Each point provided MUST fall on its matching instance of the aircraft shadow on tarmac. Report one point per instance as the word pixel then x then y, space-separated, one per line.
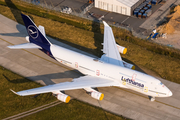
pixel 17 15
pixel 98 37
pixel 47 78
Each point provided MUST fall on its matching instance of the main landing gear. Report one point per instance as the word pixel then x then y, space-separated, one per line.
pixel 151 98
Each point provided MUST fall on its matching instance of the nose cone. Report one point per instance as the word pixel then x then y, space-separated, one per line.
pixel 170 93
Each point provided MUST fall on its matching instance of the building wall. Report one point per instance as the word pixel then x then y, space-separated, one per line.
pixel 113 6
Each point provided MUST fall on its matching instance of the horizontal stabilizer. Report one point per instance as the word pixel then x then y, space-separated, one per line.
pixel 24 46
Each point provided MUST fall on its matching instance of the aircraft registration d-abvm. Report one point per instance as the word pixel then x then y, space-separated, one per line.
pixel 109 70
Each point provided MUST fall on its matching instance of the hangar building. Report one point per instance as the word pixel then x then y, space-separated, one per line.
pixel 125 7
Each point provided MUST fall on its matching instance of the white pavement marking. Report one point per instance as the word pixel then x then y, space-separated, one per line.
pixel 125 20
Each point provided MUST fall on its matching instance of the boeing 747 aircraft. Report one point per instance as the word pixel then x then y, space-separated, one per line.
pixel 109 70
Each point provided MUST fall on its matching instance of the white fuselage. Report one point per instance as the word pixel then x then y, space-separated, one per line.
pixel 124 77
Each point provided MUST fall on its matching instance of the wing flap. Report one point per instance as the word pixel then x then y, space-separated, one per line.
pixel 24 46
pixel 77 83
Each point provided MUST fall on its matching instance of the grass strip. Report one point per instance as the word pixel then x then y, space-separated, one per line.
pixel 12 104
pixel 76 110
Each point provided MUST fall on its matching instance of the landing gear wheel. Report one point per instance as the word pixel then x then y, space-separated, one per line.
pixel 152 98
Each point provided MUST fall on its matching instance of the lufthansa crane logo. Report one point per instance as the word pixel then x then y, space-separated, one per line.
pixel 33 32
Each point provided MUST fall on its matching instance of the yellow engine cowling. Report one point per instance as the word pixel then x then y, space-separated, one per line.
pixel 95 94
pixel 61 96
pixel 121 49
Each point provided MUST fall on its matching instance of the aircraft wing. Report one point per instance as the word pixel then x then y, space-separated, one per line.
pixel 111 53
pixel 77 83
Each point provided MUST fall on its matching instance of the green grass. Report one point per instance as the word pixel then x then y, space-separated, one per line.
pixel 75 110
pixel 12 104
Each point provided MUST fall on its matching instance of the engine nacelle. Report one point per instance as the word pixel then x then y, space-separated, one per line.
pixel 27 38
pixel 121 49
pixel 128 65
pixel 95 94
pixel 63 97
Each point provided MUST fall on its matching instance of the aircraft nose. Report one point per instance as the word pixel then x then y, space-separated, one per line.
pixel 170 93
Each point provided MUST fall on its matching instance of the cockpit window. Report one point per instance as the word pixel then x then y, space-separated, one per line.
pixel 161 83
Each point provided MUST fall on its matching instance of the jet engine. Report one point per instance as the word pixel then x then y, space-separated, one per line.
pixel 95 94
pixel 121 49
pixel 128 65
pixel 27 38
pixel 62 97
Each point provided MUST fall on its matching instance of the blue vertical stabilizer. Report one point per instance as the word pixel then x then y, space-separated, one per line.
pixel 37 38
pixel 35 35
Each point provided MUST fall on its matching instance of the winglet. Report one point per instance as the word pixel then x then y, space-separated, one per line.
pixel 105 24
pixel 14 92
